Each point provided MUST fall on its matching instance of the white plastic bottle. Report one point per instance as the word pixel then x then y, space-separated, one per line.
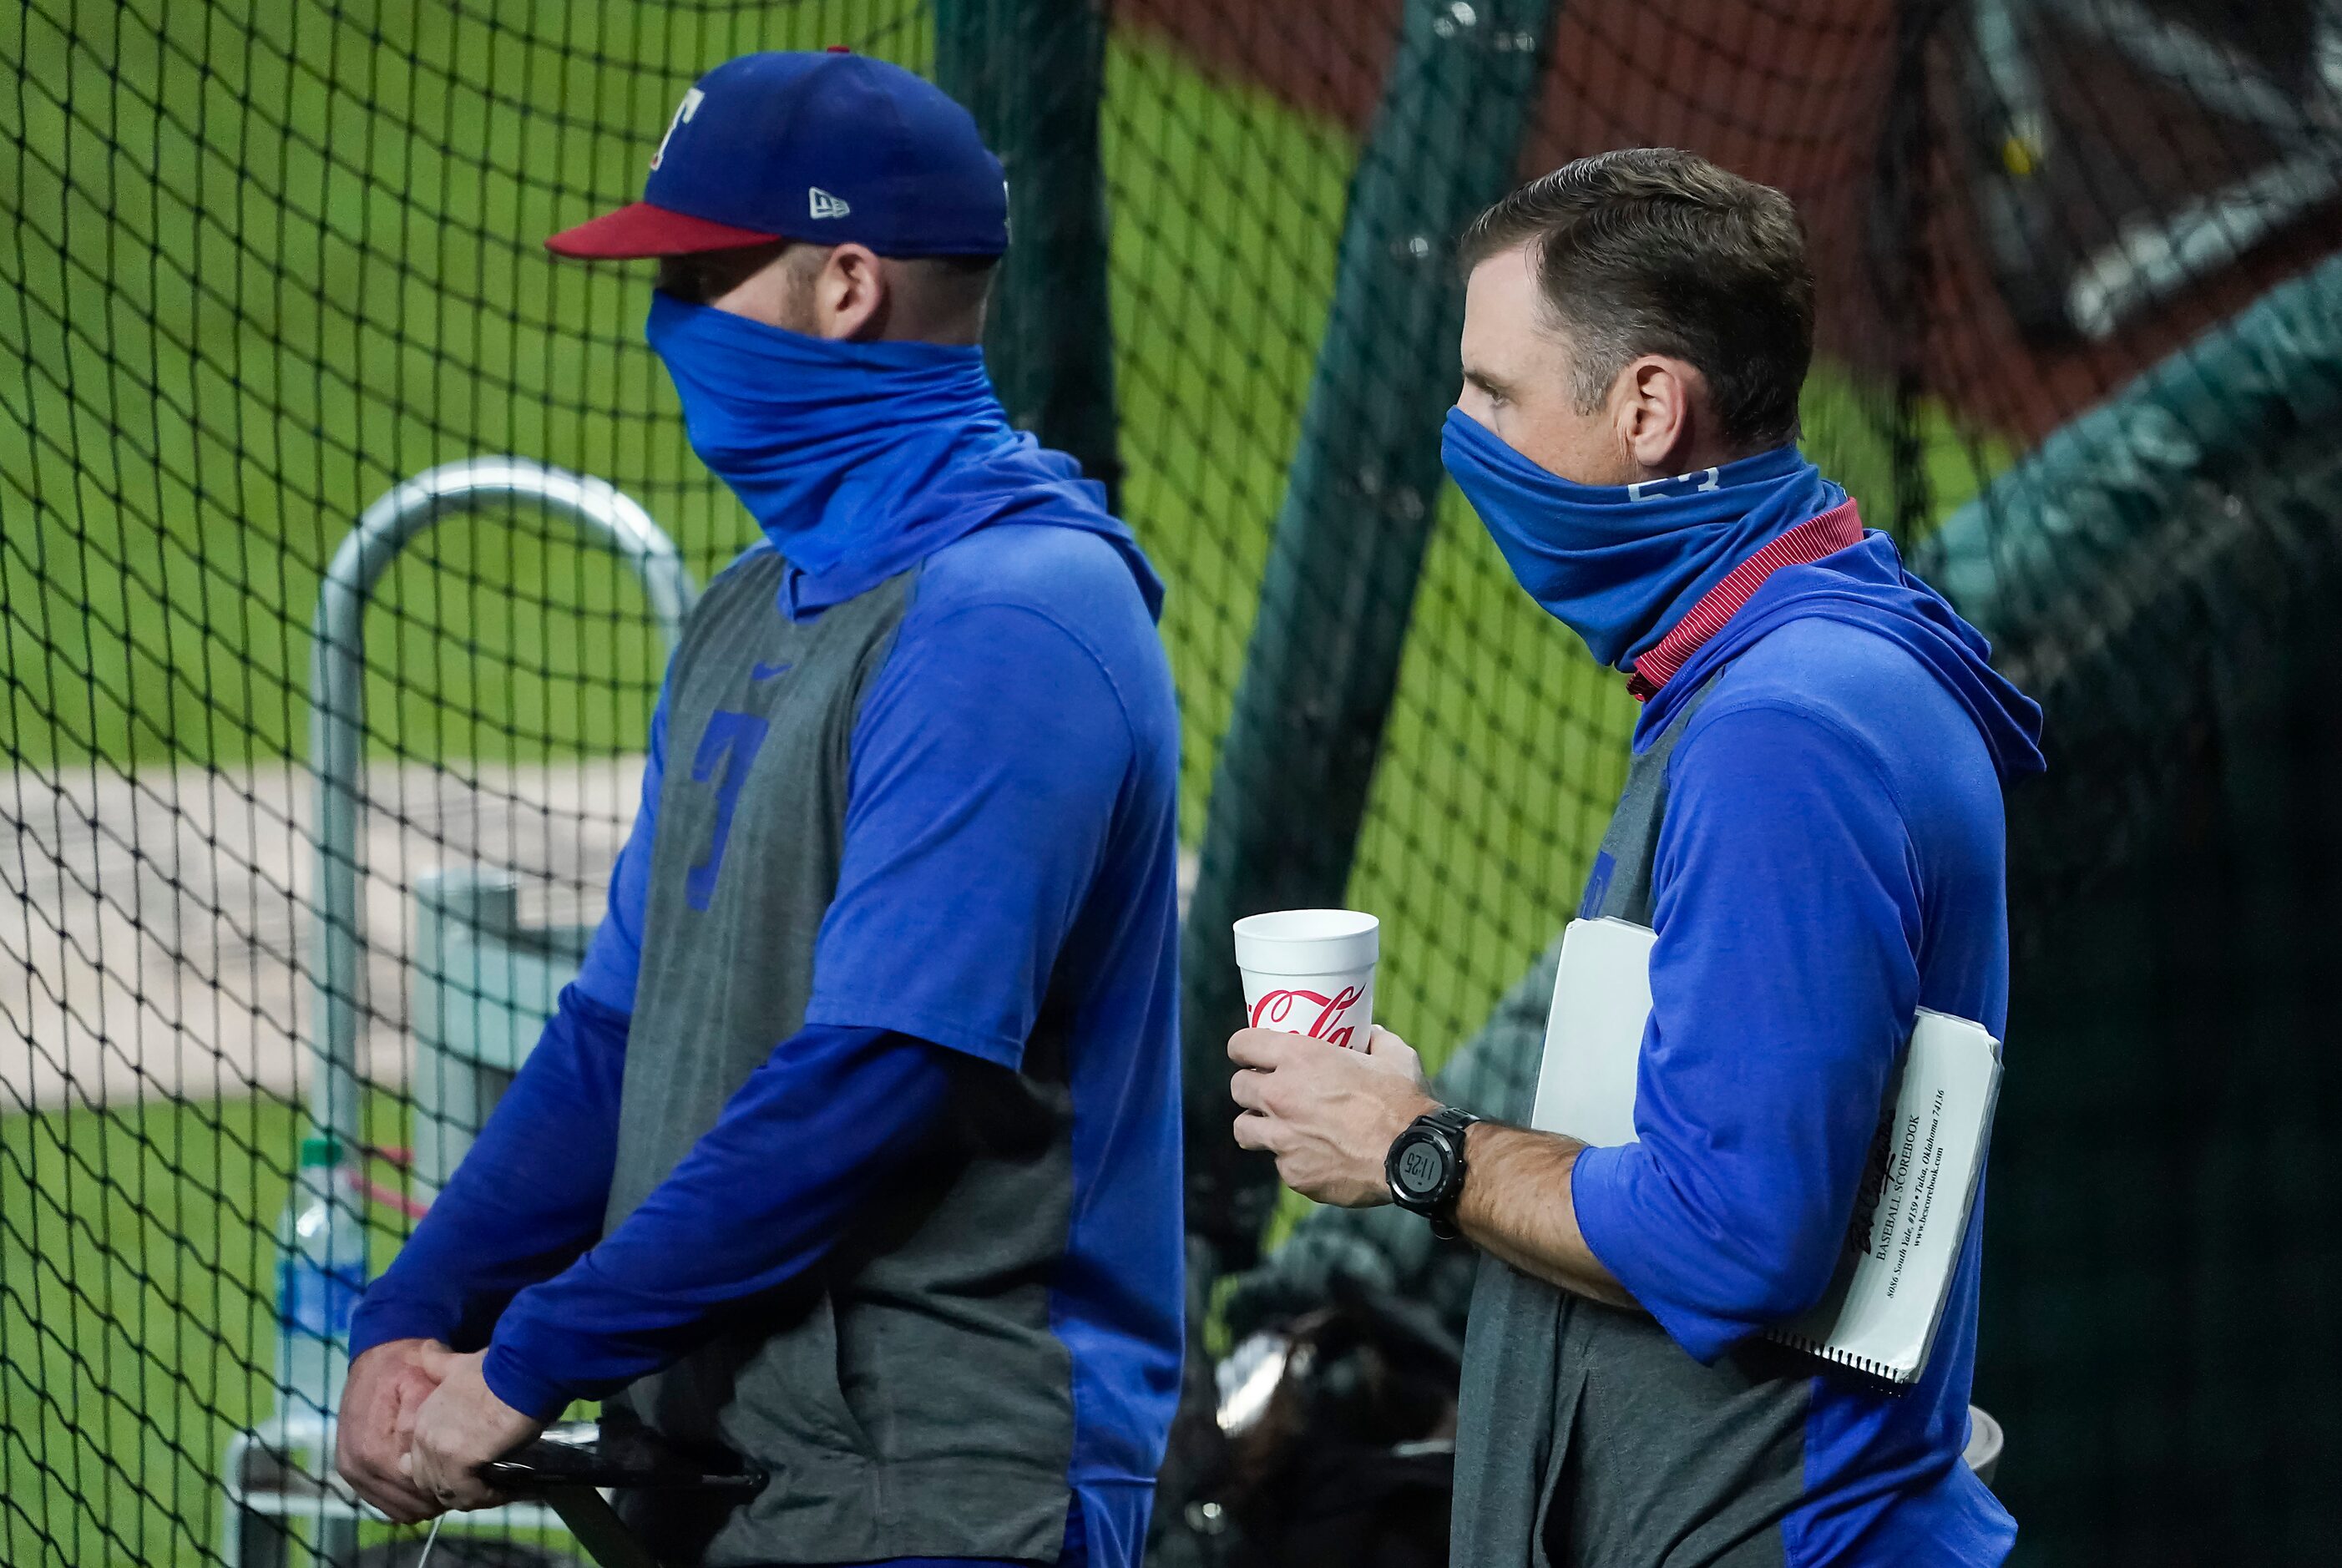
pixel 321 1269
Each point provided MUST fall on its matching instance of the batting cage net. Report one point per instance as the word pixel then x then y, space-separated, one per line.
pixel 343 535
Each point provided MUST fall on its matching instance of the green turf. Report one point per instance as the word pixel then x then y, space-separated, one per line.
pixel 136 1318
pixel 131 1311
pixel 270 259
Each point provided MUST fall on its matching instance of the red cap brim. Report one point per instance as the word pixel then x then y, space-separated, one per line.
pixel 641 229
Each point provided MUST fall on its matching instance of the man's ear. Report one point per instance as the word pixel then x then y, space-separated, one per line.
pixel 851 296
pixel 1659 412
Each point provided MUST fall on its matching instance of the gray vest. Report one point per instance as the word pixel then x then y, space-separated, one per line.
pixel 1587 1435
pixel 910 1400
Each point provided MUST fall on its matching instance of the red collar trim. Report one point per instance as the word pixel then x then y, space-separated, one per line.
pixel 1839 529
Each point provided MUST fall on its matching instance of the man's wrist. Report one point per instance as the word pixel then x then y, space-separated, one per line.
pixel 1488 1149
pixel 520 1385
pixel 380 1321
pixel 1425 1166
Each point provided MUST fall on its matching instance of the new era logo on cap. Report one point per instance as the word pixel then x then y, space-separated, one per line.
pixel 825 206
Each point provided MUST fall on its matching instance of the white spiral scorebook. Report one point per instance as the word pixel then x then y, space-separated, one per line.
pixel 1894 1272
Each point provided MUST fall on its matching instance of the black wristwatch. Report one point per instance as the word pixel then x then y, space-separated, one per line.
pixel 1425 1167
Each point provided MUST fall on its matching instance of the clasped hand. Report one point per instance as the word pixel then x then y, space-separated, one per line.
pixel 417 1421
pixel 1330 1114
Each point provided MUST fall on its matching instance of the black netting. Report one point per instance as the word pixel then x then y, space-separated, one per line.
pixel 2081 349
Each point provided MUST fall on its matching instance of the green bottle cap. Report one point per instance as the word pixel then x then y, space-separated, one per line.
pixel 318 1149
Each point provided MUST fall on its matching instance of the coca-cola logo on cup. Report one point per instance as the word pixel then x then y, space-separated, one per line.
pixel 1287 1010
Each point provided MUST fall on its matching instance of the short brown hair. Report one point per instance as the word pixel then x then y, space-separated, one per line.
pixel 1655 250
pixel 949 288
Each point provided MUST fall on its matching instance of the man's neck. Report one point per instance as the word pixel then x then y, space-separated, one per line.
pixel 1695 454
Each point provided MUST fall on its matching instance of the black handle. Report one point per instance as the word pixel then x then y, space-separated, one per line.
pixel 630 1463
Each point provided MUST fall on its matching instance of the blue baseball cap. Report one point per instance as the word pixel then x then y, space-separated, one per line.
pixel 827 148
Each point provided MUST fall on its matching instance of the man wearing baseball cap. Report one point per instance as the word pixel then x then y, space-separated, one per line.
pixel 853 1149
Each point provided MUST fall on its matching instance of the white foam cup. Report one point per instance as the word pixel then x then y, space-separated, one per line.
pixel 1311 971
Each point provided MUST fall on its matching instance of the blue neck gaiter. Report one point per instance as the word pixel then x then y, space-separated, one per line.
pixel 1621 565
pixel 859 460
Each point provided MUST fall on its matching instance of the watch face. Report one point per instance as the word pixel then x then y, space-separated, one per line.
pixel 1421 1168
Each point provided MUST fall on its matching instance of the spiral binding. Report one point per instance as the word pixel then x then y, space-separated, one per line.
pixel 1890 1378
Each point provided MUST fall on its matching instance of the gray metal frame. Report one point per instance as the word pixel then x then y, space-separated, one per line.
pixel 337 704
pixel 281 1470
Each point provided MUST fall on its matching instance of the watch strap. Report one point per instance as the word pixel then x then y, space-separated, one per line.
pixel 1450 1119
pixel 1451 1122
pixel 1454 1122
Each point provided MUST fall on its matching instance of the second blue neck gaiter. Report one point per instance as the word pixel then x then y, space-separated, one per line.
pixel 859 460
pixel 1621 565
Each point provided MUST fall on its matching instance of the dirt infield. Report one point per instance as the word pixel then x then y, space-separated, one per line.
pixel 1798 93
pixel 157 936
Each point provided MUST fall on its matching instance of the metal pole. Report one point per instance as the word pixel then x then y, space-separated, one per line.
pixel 1032 72
pixel 1290 790
pixel 1901 257
pixel 337 705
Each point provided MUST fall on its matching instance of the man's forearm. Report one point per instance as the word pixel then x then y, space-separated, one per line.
pixel 1330 1116
pixel 758 1200
pixel 527 1198
pixel 1516 1203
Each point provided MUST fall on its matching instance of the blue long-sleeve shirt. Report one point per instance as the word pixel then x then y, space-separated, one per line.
pixel 577 1315
pixel 538 1178
pixel 994 749
pixel 855 1101
pixel 1787 892
pixel 1831 860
